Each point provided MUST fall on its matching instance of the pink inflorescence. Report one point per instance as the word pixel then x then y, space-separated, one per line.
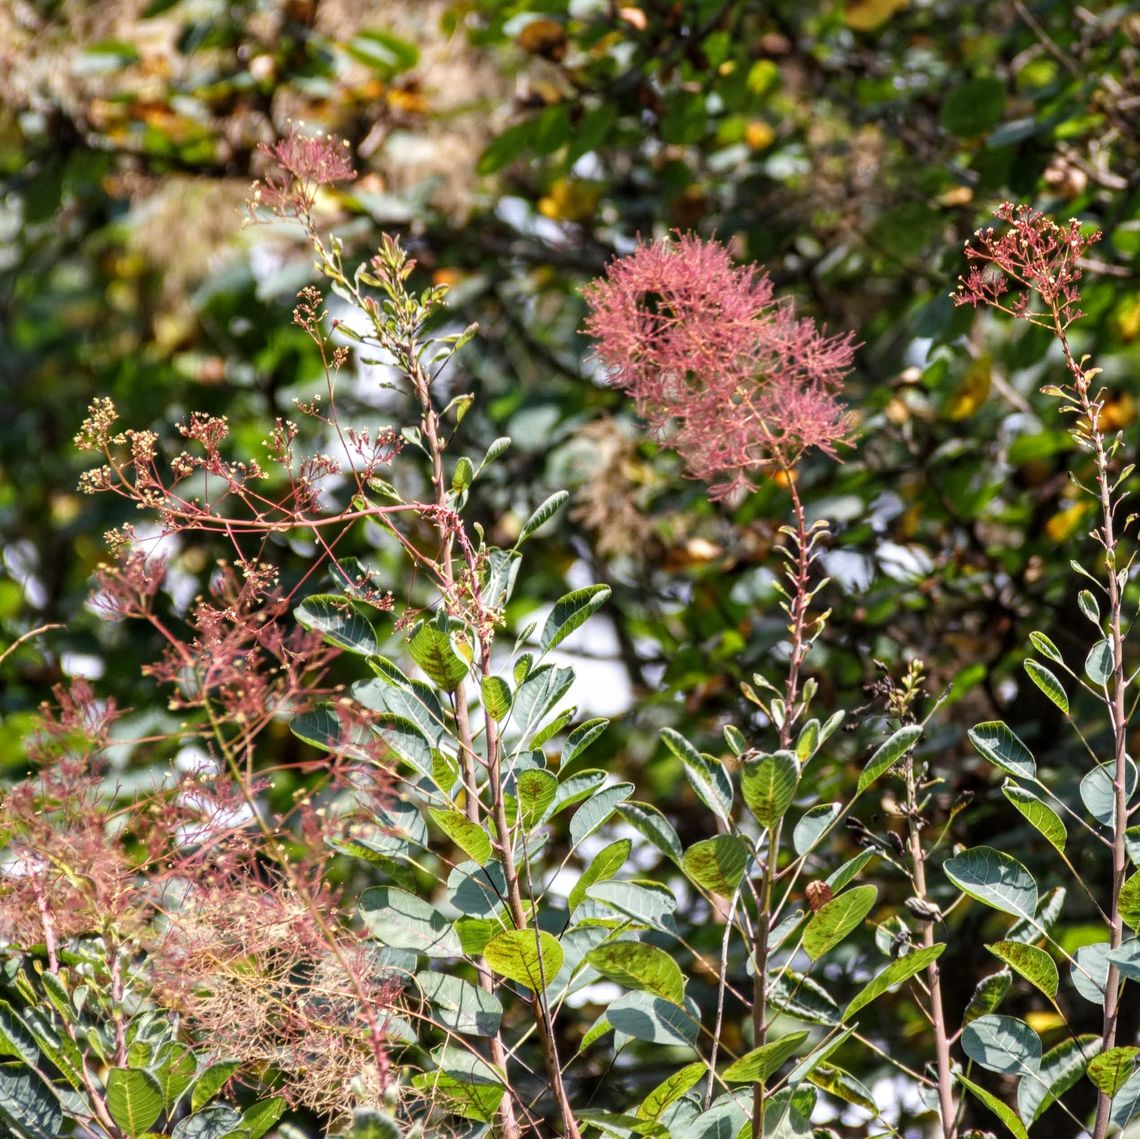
pixel 717 364
pixel 302 163
pixel 1035 253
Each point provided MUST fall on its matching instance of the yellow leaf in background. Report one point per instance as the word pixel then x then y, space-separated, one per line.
pixel 972 391
pixel 570 200
pixel 758 134
pixel 543 37
pixel 1042 1020
pixel 1127 319
pixel 410 102
pixel 1117 413
pixel 1065 523
pixel 956 196
pixel 867 15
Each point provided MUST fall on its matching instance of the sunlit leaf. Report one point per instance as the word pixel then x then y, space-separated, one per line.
pixel 570 613
pixel 894 974
pixel 836 919
pixel 527 956
pixel 1048 683
pixel 1034 964
pixel 133 1099
pixel 756 1066
pixel 1003 748
pixel 888 754
pixel 994 878
pixel 405 921
pixel 638 965
pixel 717 864
pixel 1040 815
pixel 769 785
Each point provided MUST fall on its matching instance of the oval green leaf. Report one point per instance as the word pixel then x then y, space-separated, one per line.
pixel 894 974
pixel 888 754
pixel 1098 664
pixel 470 837
pixel 756 1066
pixel 769 786
pixel 1048 683
pixel 717 864
pixel 527 956
pixel 995 741
pixel 996 879
pixel 1038 814
pixel 637 965
pixel 134 1099
pixel 1034 964
pixel 404 921
pixel 833 921
pixel 571 612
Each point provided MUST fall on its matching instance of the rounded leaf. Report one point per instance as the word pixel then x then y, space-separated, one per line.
pixel 460 1006
pixel 769 786
pixel 813 825
pixel 995 878
pixel 996 741
pixel 404 921
pixel 527 956
pixel 1034 964
pixel 637 965
pixel 1111 1070
pixel 717 864
pixel 1097 791
pixel 1002 1044
pixel 1098 664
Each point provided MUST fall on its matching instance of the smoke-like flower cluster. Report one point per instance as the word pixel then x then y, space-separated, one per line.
pixel 718 365
pixel 1035 253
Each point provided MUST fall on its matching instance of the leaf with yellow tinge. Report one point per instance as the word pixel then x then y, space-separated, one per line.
pixel 1065 523
pixel 670 1090
pixel 543 37
pixel 1127 319
pixel 528 956
pixel 570 199
pixel 1042 1020
pixel 758 134
pixel 868 15
pixel 972 391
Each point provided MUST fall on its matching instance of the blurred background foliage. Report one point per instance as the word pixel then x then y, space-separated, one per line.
pixel 847 146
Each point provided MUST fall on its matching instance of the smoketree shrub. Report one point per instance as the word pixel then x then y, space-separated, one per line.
pixel 405 930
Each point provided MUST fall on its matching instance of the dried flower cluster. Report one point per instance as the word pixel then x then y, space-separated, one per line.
pixel 717 363
pixel 255 973
pixel 1035 253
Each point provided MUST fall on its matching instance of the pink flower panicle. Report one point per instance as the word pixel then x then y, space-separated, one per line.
pixel 1035 253
pixel 716 363
pixel 304 163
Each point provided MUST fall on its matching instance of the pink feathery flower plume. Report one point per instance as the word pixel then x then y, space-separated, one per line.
pixel 719 366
